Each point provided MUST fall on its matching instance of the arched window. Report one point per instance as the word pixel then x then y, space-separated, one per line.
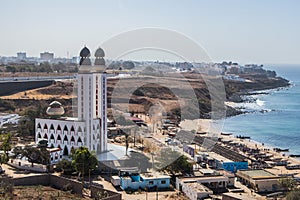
pixel 58 146
pixel 66 131
pixel 66 138
pixel 52 146
pixel 51 137
pixel 79 130
pixel 58 137
pixel 51 127
pixel 72 129
pixel 45 126
pixel 39 126
pixel 58 128
pixel 79 140
pixel 39 136
pixel 46 136
pixel 66 152
pixel 72 139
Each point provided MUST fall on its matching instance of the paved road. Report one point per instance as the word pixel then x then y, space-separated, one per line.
pixel 16 173
pixel 35 78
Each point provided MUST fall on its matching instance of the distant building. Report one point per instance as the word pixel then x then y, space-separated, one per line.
pixel 46 56
pixel 21 55
pixel 260 180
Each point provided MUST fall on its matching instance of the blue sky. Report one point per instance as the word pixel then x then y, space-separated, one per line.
pixel 256 31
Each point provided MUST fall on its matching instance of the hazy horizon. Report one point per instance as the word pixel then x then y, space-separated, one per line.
pixel 239 31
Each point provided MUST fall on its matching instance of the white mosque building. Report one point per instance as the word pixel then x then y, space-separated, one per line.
pixel 90 127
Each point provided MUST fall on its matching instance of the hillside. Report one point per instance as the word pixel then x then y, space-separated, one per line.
pixel 148 91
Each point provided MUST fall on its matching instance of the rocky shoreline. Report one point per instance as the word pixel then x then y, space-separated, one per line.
pixel 245 95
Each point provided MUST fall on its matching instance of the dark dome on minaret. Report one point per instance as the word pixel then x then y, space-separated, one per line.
pixel 99 54
pixel 85 53
pixel 84 56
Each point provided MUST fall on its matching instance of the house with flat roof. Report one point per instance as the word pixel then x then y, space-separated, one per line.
pixel 237 196
pixel 218 161
pixel 214 180
pixel 137 181
pixel 195 191
pixel 259 179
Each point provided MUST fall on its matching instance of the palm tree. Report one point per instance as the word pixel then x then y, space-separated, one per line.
pixel 126 142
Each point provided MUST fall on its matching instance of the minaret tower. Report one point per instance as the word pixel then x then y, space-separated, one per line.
pixel 92 99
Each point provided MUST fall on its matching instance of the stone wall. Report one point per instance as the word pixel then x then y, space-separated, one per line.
pixel 32 180
pixel 65 184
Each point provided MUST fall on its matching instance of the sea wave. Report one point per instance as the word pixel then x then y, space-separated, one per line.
pixel 260 102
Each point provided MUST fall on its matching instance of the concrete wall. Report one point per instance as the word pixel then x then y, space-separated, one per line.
pixel 267 185
pixel 54 181
pixel 32 180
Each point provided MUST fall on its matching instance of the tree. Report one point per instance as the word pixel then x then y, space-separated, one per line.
pixel 33 154
pixel 174 162
pixel 126 142
pixel 65 166
pixel 84 161
pixel 128 65
pixel 122 121
pixel 5 140
pixel 293 195
pixel 26 124
pixel 288 183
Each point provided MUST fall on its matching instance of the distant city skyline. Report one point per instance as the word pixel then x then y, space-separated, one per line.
pixel 240 31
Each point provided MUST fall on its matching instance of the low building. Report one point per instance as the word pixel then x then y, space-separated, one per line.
pixel 196 191
pixel 142 181
pixel 9 119
pixel 237 196
pixel 260 180
pixel 215 181
pixel 217 161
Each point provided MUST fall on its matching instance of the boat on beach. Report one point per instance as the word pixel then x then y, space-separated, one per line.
pixel 226 134
pixel 280 150
pixel 243 137
pixel 295 155
pixel 172 134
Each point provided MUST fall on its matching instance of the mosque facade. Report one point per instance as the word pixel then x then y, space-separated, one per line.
pixel 89 128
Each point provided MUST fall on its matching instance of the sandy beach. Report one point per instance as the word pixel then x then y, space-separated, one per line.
pixel 210 126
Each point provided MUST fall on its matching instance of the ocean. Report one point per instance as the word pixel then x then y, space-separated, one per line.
pixel 275 117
